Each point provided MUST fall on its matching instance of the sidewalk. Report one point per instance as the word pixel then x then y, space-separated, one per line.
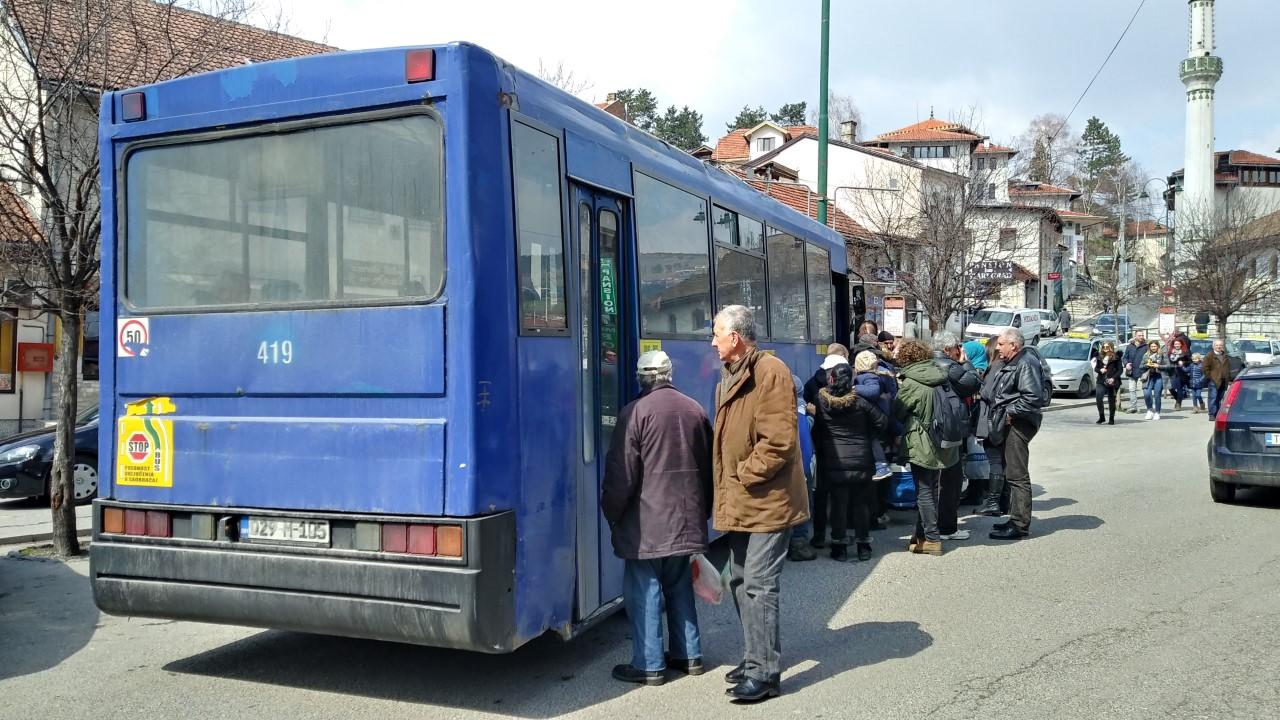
pixel 28 521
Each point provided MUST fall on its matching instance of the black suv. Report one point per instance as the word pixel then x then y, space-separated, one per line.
pixel 1244 450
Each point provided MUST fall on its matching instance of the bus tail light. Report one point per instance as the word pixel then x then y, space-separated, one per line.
pixel 135 522
pixel 422 539
pixel 158 524
pixel 133 106
pixel 395 537
pixel 113 520
pixel 419 65
pixel 449 541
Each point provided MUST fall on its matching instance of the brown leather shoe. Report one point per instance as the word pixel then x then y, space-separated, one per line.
pixel 927 547
pixel 913 545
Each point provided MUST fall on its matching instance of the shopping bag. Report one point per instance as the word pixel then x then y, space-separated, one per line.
pixel 706 579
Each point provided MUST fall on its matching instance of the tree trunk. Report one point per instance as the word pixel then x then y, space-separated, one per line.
pixel 62 494
pixel 1222 327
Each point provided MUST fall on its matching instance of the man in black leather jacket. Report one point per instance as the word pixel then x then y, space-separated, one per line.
pixel 1010 417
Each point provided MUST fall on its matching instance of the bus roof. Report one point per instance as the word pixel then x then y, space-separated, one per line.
pixel 345 81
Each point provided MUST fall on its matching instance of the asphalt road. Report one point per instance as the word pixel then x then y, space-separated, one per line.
pixel 1135 597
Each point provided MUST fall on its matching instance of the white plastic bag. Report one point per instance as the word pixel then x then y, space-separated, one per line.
pixel 706 579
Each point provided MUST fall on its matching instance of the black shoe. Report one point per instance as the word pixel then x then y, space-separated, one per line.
pixel 864 552
pixel 736 675
pixel 627 673
pixel 692 666
pixel 1008 533
pixel 1112 421
pixel 1002 525
pixel 801 552
pixel 839 552
pixel 753 691
pixel 817 542
pixel 1100 421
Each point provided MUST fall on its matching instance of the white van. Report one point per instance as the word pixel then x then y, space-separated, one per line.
pixel 990 322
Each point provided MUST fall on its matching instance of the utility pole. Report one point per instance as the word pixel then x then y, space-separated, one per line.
pixel 822 114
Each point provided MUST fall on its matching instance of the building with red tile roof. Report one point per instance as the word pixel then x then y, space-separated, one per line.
pixel 18 222
pixel 927 131
pixel 1239 174
pixel 735 148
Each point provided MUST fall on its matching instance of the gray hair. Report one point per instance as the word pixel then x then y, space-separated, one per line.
pixel 651 379
pixel 739 319
pixel 946 341
pixel 1014 336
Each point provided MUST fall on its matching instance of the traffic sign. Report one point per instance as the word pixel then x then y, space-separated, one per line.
pixel 1055 276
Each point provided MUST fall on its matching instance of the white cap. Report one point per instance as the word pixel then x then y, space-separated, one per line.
pixel 653 362
pixel 833 360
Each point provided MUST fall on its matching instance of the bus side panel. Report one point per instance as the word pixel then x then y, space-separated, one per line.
pixel 545 546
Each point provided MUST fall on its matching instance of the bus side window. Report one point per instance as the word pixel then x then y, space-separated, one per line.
pixel 535 167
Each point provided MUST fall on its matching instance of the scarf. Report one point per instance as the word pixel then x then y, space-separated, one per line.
pixel 732 372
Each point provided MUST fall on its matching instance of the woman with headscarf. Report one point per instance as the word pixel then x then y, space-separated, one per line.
pixel 1107 367
pixel 846 426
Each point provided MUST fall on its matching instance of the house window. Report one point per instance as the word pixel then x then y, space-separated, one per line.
pixel 671 242
pixel 991 191
pixel 765 144
pixel 893 183
pixel 1008 238
pixel 982 164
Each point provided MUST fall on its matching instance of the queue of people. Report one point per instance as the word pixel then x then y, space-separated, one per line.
pixel 670 468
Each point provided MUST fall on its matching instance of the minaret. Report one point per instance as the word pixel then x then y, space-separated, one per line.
pixel 1199 72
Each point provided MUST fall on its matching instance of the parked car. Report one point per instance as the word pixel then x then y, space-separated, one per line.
pixel 1069 359
pixel 26 459
pixel 1258 351
pixel 1049 323
pixel 990 322
pixel 1115 327
pixel 1244 450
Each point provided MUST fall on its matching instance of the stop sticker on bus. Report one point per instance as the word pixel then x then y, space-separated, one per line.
pixel 139 447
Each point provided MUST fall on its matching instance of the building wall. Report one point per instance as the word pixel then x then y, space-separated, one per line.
pixel 765 132
pixel 22 395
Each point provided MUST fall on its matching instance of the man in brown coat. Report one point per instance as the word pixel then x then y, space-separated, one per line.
pixel 1217 375
pixel 656 496
pixel 760 492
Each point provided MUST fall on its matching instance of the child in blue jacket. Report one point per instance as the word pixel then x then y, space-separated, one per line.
pixel 876 384
pixel 1196 371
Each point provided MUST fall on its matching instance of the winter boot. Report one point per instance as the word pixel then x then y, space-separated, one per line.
pixel 839 552
pixel 991 504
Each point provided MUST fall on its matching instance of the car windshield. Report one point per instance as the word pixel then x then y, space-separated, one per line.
pixel 1254 346
pixel 992 317
pixel 1059 350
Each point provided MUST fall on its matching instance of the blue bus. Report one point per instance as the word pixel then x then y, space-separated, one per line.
pixel 376 314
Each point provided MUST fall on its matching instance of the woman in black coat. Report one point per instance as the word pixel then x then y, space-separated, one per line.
pixel 846 425
pixel 1106 365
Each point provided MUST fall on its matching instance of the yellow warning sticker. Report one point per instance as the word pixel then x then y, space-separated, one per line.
pixel 647 345
pixel 145 454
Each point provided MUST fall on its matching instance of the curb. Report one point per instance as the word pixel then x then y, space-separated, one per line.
pixel 1069 405
pixel 39 537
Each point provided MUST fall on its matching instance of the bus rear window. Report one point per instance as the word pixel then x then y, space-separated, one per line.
pixel 343 213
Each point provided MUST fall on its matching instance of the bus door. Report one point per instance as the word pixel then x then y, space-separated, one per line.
pixel 604 383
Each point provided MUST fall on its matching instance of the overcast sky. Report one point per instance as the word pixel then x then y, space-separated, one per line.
pixel 1008 60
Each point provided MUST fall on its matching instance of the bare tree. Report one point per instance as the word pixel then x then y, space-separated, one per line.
pixel 563 78
pixel 840 109
pixel 56 58
pixel 1047 151
pixel 1226 259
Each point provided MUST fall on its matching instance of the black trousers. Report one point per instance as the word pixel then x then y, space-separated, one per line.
pixel 949 499
pixel 1017 472
pixel 850 499
pixel 1109 393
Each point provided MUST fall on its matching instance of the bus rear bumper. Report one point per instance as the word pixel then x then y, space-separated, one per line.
pixel 467 606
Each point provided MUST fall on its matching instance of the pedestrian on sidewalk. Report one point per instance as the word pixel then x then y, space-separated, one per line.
pixel 656 496
pixel 1106 366
pixel 875 384
pixel 914 408
pixel 1179 375
pixel 977 356
pixel 1011 413
pixel 1155 367
pixel 1132 358
pixel 847 426
pixel 813 534
pixel 760 492
pixel 799 549
pixel 964 381
pixel 1217 374
pixel 1197 382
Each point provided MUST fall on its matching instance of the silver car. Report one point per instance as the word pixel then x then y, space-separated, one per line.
pixel 1069 359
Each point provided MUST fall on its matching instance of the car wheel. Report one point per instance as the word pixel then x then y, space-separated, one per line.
pixel 84 479
pixel 1221 492
pixel 1086 388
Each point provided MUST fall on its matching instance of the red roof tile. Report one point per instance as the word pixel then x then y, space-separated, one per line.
pixel 801 199
pixel 734 146
pixel 989 148
pixel 1138 229
pixel 1244 157
pixel 931 129
pixel 148 41
pixel 17 222
pixel 1034 188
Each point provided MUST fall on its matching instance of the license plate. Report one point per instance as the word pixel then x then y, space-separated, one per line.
pixel 285 530
pixel 1272 439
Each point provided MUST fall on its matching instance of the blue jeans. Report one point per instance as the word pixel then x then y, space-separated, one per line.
pixel 1215 400
pixel 649 587
pixel 1155 393
pixel 1197 396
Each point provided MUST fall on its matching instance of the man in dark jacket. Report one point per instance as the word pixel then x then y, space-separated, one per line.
pixel 657 498
pixel 964 380
pixel 1010 418
pixel 1217 375
pixel 1132 362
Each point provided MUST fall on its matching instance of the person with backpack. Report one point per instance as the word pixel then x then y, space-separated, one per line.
pixel 917 407
pixel 1009 420
pixel 964 384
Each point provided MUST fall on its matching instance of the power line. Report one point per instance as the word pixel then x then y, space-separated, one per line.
pixel 1100 69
